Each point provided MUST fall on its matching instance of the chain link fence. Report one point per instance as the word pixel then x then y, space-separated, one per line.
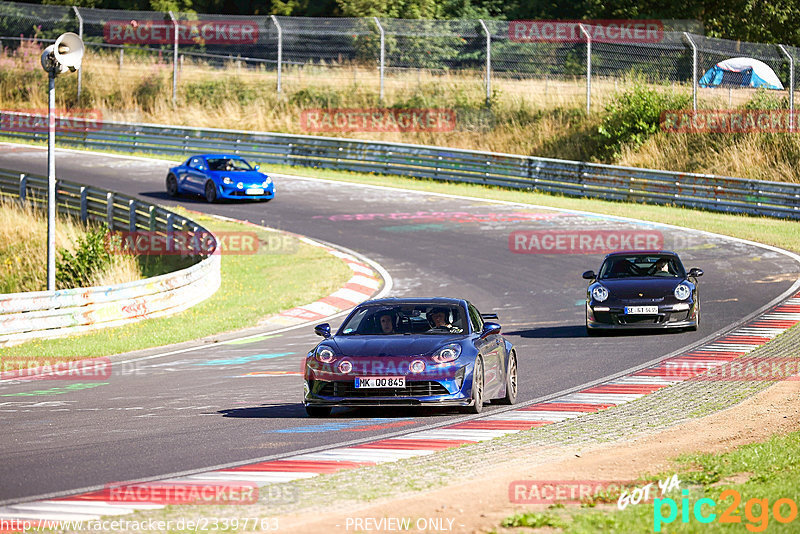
pixel 583 65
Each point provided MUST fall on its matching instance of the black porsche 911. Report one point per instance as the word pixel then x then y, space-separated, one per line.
pixel 642 289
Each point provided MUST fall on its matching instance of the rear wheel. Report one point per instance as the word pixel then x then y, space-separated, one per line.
pixel 172 185
pixel 511 381
pixel 211 191
pixel 477 388
pixel 318 411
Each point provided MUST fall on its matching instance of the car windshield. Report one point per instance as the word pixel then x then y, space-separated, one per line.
pixel 228 164
pixel 404 319
pixel 642 265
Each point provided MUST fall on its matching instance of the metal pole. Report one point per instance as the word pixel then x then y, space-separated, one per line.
pixel 488 62
pixel 280 48
pixel 791 87
pixel 694 70
pixel 80 34
pixel 588 68
pixel 174 60
pixel 51 183
pixel 383 51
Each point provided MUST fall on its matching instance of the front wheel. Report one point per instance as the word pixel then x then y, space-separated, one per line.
pixel 172 186
pixel 318 411
pixel 511 381
pixel 696 317
pixel 477 388
pixel 211 191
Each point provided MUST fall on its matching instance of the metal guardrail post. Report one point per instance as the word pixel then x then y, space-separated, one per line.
pixel 170 231
pixel 791 86
pixel 80 34
pixel 488 62
pixel 174 59
pixel 383 52
pixel 280 48
pixel 588 68
pixel 121 55
pixel 110 210
pixel 23 187
pixel 84 204
pixel 152 221
pixel 694 70
pixel 132 215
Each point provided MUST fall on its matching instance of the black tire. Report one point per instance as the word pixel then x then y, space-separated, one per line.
pixel 591 332
pixel 697 321
pixel 477 388
pixel 511 381
pixel 318 411
pixel 172 186
pixel 211 192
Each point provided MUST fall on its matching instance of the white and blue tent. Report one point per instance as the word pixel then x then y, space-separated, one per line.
pixel 741 72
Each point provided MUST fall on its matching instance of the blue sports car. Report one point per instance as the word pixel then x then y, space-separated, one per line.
pixel 218 176
pixel 412 352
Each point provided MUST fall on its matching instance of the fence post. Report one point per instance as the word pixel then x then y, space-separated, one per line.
pixel 694 70
pixel 132 215
pixel 80 34
pixel 588 68
pixel 383 51
pixel 23 188
pixel 488 62
pixel 174 59
pixel 791 86
pixel 121 55
pixel 110 210
pixel 280 48
pixel 84 204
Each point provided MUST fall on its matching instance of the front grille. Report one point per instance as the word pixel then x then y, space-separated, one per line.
pixel 640 319
pixel 347 389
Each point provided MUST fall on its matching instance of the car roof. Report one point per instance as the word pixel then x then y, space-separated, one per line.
pixel 631 252
pixel 394 301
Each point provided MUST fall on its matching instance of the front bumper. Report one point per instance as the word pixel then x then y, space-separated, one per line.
pixel 232 192
pixel 416 393
pixel 614 318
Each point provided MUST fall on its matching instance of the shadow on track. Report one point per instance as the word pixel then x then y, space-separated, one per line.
pixel 297 411
pixel 579 330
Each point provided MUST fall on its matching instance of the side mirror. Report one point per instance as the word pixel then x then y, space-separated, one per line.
pixel 589 275
pixel 257 167
pixel 489 329
pixel 323 330
pixel 694 271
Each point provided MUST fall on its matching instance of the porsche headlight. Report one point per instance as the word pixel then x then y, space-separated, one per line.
pixel 448 353
pixel 325 355
pixel 682 292
pixel 227 181
pixel 600 294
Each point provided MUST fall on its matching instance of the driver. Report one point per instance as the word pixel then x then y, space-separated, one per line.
pixel 661 266
pixel 439 318
pixel 229 166
pixel 387 322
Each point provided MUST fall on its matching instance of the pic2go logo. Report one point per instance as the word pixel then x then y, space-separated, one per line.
pixel 756 511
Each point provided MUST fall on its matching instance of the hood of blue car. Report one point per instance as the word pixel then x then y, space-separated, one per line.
pixel 241 176
pixel 631 288
pixel 400 345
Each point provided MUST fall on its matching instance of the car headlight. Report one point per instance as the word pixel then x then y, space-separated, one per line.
pixel 227 181
pixel 682 292
pixel 325 355
pixel 345 367
pixel 448 353
pixel 267 181
pixel 240 185
pixel 600 294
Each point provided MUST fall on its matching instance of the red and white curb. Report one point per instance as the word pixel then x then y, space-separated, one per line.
pixel 621 390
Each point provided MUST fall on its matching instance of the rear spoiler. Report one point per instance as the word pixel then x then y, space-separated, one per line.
pixel 489 316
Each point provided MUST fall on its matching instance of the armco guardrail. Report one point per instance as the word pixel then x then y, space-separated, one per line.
pixel 571 178
pixel 41 314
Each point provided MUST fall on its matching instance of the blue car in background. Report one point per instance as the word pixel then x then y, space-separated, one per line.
pixel 411 352
pixel 217 176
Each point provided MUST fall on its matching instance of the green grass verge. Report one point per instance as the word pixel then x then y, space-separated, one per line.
pixel 771 231
pixel 763 472
pixel 253 286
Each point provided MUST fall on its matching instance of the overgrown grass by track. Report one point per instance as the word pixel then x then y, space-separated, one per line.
pixel 253 286
pixel 762 474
